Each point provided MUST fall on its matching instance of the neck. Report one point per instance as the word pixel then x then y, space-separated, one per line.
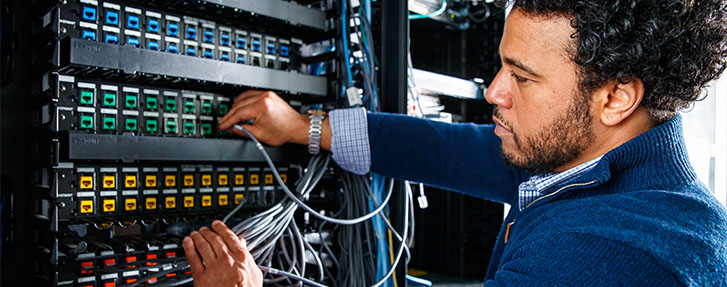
pixel 610 137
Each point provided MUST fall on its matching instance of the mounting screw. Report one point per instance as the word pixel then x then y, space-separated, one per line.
pixel 63 117
pixel 63 30
pixel 63 88
pixel 61 204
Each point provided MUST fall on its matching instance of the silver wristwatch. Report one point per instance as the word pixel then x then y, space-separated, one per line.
pixel 315 130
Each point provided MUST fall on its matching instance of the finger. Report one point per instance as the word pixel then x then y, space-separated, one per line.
pixel 218 246
pixel 195 263
pixel 252 129
pixel 242 104
pixel 203 247
pixel 238 116
pixel 230 238
pixel 247 94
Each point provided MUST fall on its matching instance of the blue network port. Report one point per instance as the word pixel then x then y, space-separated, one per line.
pixel 172 29
pixel 88 35
pixel 256 45
pixel 241 42
pixel 153 45
pixel 284 50
pixel 132 22
pixel 208 54
pixel 191 33
pixel 225 39
pixel 191 51
pixel 240 59
pixel 112 17
pixel 209 36
pixel 132 40
pixel 88 13
pixel 172 48
pixel 111 38
pixel 271 48
pixel 225 56
pixel 153 26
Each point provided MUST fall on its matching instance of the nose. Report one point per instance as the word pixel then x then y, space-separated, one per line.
pixel 500 90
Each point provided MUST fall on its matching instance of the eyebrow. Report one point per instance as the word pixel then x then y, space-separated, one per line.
pixel 520 65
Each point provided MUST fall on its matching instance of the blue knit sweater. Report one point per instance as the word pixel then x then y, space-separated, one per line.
pixel 638 218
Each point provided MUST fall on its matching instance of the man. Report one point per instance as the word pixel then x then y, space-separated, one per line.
pixel 588 149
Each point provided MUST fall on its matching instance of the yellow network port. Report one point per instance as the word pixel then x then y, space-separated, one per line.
pixel 130 181
pixel 239 179
pixel 170 202
pixel 284 177
pixel 130 204
pixel 222 180
pixel 206 179
pixel 109 205
pixel 268 179
pixel 238 198
pixel 86 182
pixel 222 200
pixel 150 181
pixel 170 180
pixel 254 179
pixel 151 203
pixel 206 200
pixel 188 180
pixel 86 206
pixel 189 201
pixel 109 181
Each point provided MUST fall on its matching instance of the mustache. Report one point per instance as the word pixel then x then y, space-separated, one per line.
pixel 498 115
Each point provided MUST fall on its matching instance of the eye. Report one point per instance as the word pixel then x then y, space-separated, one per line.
pixel 518 79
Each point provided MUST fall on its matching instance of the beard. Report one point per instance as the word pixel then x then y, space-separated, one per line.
pixel 556 143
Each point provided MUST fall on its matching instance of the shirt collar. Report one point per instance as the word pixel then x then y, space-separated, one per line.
pixel 537 185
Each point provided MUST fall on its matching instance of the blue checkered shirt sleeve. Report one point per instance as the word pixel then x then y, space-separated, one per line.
pixel 350 139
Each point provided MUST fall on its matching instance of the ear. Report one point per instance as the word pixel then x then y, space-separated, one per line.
pixel 617 100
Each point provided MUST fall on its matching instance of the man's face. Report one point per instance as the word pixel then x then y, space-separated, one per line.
pixel 543 119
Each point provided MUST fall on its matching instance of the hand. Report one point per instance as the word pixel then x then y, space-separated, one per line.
pixel 220 258
pixel 274 121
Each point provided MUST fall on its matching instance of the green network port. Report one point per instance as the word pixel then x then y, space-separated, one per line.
pixel 109 123
pixel 223 109
pixel 188 127
pixel 130 101
pixel 189 107
pixel 130 125
pixel 170 105
pixel 109 99
pixel 206 108
pixel 87 97
pixel 151 103
pixel 171 126
pixel 86 122
pixel 151 125
pixel 206 129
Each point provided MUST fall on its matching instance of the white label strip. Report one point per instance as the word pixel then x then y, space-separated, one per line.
pixel 151 114
pixel 129 169
pixel 132 10
pixel 190 43
pixel 85 194
pixel 151 192
pixel 150 169
pixel 130 113
pixel 172 18
pixel 64 78
pixel 132 33
pixel 171 94
pixel 153 14
pixel 88 25
pixel 170 191
pixel 129 192
pixel 223 189
pixel 169 169
pixel 110 88
pixel 85 109
pixel 108 169
pixel 170 115
pixel 205 190
pixel 86 85
pixel 109 111
pixel 188 190
pixel 109 193
pixel 188 117
pixel 85 169
pixel 153 36
pixel 172 40
pixel 130 89
pixel 111 29
pixel 151 92
pixel 111 5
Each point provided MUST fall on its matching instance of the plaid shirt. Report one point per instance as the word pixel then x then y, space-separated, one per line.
pixel 352 151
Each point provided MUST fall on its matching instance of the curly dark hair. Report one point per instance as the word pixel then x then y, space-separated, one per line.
pixel 675 47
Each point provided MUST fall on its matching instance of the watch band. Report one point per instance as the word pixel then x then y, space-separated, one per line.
pixel 315 130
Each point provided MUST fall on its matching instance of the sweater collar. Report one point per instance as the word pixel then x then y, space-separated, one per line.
pixel 655 158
